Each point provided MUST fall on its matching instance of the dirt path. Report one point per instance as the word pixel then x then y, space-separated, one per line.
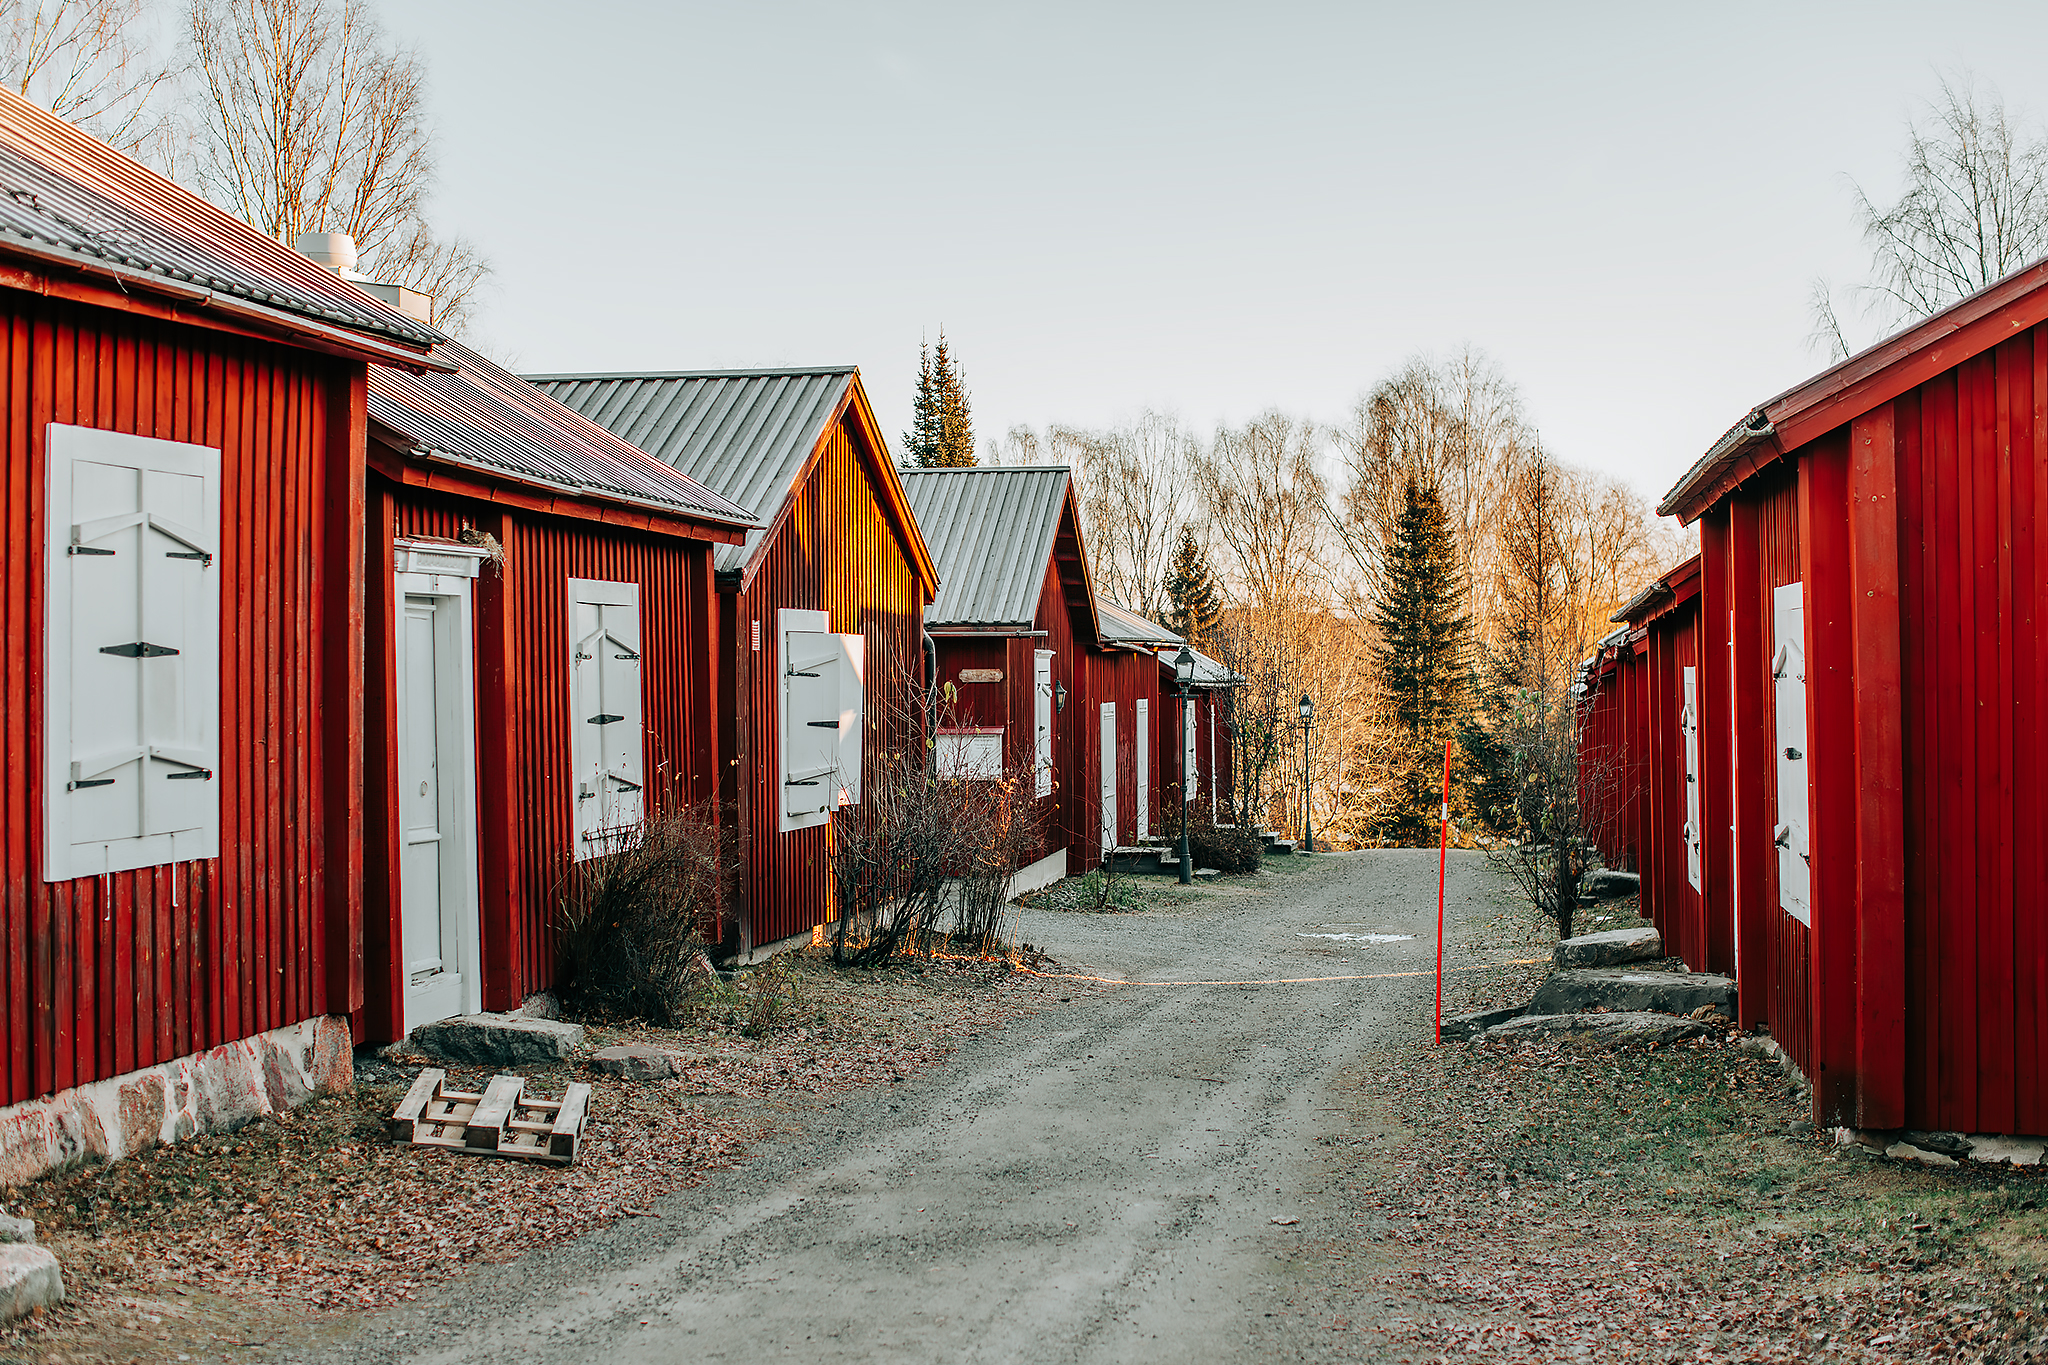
pixel 1130 1178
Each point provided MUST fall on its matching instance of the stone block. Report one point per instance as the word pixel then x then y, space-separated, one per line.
pixel 1463 1027
pixel 1604 883
pixel 1631 1027
pixel 29 1279
pixel 2017 1151
pixel 1906 1151
pixel 498 1039
pixel 1577 990
pixel 14 1229
pixel 636 1063
pixel 1612 948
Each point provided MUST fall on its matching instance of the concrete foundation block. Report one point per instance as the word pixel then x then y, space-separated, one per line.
pixel 29 1279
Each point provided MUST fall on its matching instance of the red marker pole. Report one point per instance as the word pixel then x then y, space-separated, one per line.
pixel 1443 845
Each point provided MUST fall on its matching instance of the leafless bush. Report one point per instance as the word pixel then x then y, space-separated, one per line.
pixel 626 922
pixel 1003 815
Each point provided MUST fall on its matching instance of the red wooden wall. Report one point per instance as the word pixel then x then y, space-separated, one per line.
pixel 105 975
pixel 1123 677
pixel 834 551
pixel 523 727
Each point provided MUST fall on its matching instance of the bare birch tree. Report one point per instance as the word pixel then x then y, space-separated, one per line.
pixel 96 63
pixel 1134 487
pixel 1974 209
pixel 308 120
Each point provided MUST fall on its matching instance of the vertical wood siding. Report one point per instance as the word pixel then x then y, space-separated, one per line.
pixel 837 553
pixel 1122 678
pixel 522 709
pixel 104 975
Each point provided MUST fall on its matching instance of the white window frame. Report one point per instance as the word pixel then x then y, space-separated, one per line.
pixel 1042 718
pixel 196 747
pixel 969 753
pixel 593 836
pixel 841 667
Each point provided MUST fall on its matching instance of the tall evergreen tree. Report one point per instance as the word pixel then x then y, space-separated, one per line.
pixel 1194 601
pixel 941 431
pixel 1423 655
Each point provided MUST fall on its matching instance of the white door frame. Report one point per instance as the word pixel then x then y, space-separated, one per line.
pixel 455 703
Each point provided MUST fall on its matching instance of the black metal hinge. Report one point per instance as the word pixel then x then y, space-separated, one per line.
pixel 604 718
pixel 190 775
pixel 202 556
pixel 85 550
pixel 138 649
pixel 89 782
pixel 823 724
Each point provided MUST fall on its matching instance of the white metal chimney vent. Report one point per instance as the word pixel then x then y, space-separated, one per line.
pixel 335 251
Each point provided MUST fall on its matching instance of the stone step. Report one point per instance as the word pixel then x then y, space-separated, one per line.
pixel 1576 990
pixel 1605 883
pixel 498 1039
pixel 1609 949
pixel 1279 848
pixel 1625 1027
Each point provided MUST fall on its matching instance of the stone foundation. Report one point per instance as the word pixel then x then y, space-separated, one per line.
pixel 213 1091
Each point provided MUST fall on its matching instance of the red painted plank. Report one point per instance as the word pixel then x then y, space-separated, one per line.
pixel 1879 772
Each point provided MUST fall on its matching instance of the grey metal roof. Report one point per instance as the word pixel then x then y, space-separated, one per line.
pixel 744 434
pixel 485 415
pixel 1121 626
pixel 67 194
pixel 990 531
pixel 1209 672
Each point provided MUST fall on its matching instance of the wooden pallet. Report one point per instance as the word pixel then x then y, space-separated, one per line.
pixel 502 1121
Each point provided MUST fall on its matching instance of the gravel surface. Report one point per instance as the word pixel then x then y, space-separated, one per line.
pixel 1131 1178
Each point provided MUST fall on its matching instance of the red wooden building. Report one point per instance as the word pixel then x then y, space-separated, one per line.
pixel 836 580
pixel 1135 707
pixel 1874 572
pixel 541 631
pixel 1198 759
pixel 1643 767
pixel 184 850
pixel 1012 626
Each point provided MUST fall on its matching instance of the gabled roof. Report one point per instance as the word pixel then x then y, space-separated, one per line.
pixel 1670 590
pixel 1864 381
pixel 70 199
pixel 486 417
pixel 747 435
pixel 1121 626
pixel 991 530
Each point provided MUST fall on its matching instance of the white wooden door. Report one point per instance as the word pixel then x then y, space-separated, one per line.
pixel 1788 687
pixel 1108 766
pixel 1042 708
pixel 437 887
pixel 1143 749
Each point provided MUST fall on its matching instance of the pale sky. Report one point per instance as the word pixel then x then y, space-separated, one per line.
pixel 1203 209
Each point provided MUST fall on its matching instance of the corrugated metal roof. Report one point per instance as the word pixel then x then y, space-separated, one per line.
pixel 744 434
pixel 62 190
pixel 1121 626
pixel 990 531
pixel 1209 672
pixel 485 415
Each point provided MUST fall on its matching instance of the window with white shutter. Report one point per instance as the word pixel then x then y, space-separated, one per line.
pixel 1689 726
pixel 132 653
pixel 823 714
pixel 1788 686
pixel 1041 703
pixel 607 733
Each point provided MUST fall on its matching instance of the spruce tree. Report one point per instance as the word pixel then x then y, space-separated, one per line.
pixel 941 431
pixel 1425 636
pixel 1194 601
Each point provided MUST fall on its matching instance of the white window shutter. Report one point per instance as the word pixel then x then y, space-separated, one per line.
pixel 1689 727
pixel 1041 701
pixel 1788 686
pixel 132 653
pixel 608 734
pixel 853 672
pixel 1143 748
pixel 811 660
pixel 1187 751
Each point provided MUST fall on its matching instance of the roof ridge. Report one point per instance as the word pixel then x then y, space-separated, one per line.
pixel 569 376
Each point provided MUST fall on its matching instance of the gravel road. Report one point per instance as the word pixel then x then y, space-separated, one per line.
pixel 1122 1179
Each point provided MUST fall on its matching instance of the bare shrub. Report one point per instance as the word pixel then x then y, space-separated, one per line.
pixel 626 922
pixel 1005 819
pixel 1232 849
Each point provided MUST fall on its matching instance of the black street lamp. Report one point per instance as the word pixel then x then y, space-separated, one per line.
pixel 1184 674
pixel 1308 823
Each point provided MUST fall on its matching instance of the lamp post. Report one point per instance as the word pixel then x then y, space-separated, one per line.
pixel 1184 674
pixel 1308 823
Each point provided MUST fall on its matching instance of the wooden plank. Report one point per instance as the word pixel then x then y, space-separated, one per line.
pixel 424 1087
pixel 1994 902
pixel 487 1122
pixel 2030 880
pixel 567 1132
pixel 1956 691
pixel 1879 772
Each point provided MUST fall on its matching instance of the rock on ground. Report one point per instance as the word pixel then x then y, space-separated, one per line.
pixel 636 1063
pixel 14 1229
pixel 1463 1027
pixel 1609 949
pixel 1630 1027
pixel 498 1039
pixel 29 1279
pixel 1576 991
pixel 1606 883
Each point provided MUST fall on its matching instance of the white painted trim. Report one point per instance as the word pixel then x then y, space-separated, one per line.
pixel 469 933
pixel 1039 875
pixel 441 557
